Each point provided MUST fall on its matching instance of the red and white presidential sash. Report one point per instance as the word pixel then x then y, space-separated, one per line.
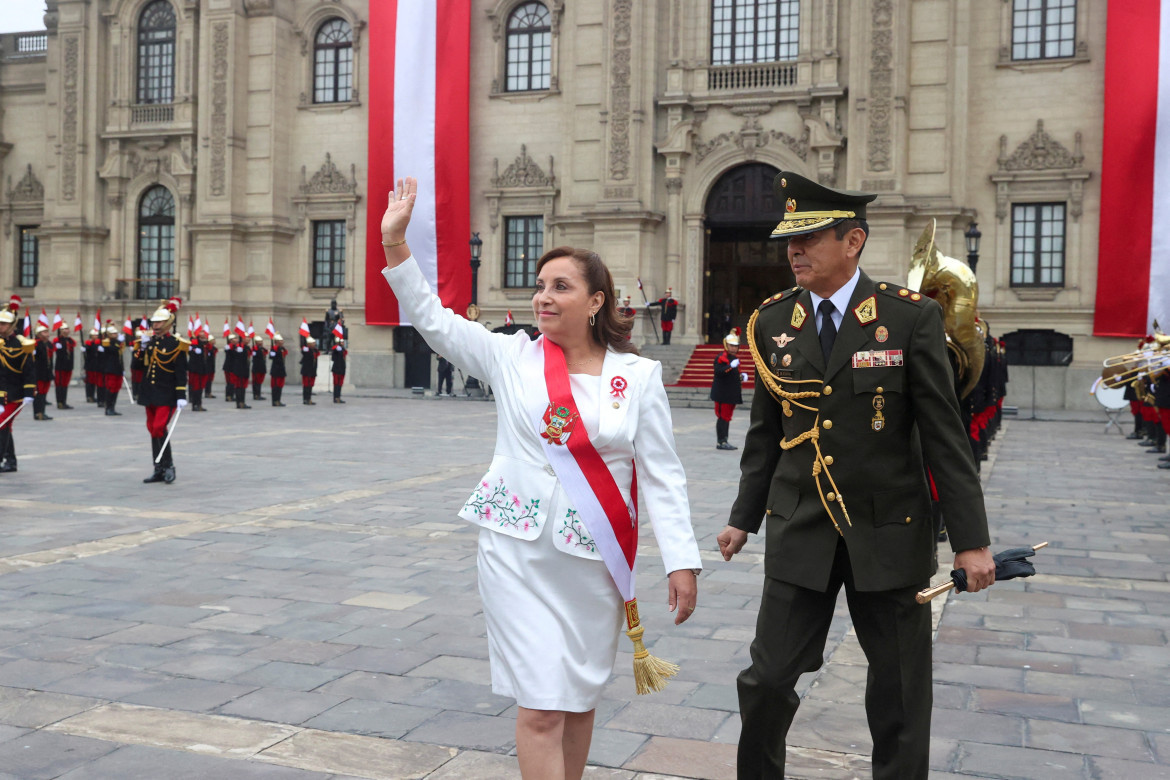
pixel 611 522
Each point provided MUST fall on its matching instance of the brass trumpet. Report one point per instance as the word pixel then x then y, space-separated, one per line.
pixel 1120 370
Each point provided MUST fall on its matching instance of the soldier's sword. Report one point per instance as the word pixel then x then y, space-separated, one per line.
pixel 166 441
pixel 129 389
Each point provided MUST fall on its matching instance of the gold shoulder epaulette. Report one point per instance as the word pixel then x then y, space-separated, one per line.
pixel 897 291
pixel 780 296
pixel 27 345
pixel 184 345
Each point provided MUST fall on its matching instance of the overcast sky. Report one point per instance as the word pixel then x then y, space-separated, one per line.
pixel 22 15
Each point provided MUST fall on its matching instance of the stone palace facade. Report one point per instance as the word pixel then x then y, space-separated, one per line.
pixel 216 149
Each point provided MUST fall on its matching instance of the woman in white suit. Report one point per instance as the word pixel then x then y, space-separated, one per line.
pixel 553 607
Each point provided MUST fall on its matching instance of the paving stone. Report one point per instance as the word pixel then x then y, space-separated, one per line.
pixel 39 755
pixel 466 730
pixel 372 718
pixel 985 760
pixel 1087 740
pixel 280 706
pixel 472 670
pixel 668 720
pixel 146 763
pixel 466 697
pixel 685 757
pixel 294 677
pixel 1119 769
pixel 380 687
pixel 1029 705
pixel 1126 716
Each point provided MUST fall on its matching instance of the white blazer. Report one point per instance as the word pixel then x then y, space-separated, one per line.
pixel 514 495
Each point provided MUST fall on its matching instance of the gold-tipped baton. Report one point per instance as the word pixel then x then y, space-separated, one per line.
pixel 1009 565
pixel 166 441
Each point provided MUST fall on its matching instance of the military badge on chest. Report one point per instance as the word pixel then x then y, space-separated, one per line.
pixel 559 422
pixel 879 421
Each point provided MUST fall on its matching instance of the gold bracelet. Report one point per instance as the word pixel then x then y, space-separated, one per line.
pixel 394 243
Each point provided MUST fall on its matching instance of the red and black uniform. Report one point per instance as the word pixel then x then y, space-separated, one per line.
pixel 629 312
pixel 164 384
pixel 43 368
pixel 137 368
pixel 112 369
pixel 196 361
pixel 1162 404
pixel 209 369
pixel 338 354
pixel 309 355
pixel 669 308
pixel 95 390
pixel 17 382
pixel 727 393
pixel 63 347
pixel 235 370
pixel 259 370
pixel 278 353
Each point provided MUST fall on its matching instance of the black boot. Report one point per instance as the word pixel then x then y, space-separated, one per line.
pixel 721 431
pixel 1137 428
pixel 111 402
pixel 1159 441
pixel 100 396
pixel 240 402
pixel 666 338
pixel 256 391
pixel 155 445
pixel 7 453
pixel 90 392
pixel 168 465
pixel 277 392
pixel 197 400
pixel 207 391
pixel 337 394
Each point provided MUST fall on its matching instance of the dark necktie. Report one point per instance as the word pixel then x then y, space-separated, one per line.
pixel 828 329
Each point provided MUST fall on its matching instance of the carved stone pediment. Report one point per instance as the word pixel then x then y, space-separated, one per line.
pixel 523 172
pixel 28 190
pixel 328 180
pixel 751 137
pixel 1040 152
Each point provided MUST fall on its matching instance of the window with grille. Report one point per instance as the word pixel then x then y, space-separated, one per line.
pixel 529 48
pixel 156 244
pixel 333 63
pixel 1043 29
pixel 156 53
pixel 744 31
pixel 329 253
pixel 1038 244
pixel 28 256
pixel 523 246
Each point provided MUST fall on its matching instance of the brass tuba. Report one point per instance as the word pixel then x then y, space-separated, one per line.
pixel 953 285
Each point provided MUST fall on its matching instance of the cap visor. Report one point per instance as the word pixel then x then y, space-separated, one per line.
pixel 798 227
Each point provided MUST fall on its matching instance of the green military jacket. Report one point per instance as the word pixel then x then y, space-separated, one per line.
pixel 885 403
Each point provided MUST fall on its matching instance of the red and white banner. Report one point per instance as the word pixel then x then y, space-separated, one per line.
pixel 77 323
pixel 270 328
pixel 227 329
pixel 43 320
pixel 419 126
pixel 97 321
pixel 58 323
pixel 1133 265
pixel 304 329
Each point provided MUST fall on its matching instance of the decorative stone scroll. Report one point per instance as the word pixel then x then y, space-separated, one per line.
pixel 28 190
pixel 220 38
pixel 523 172
pixel 881 86
pixel 1040 152
pixel 328 180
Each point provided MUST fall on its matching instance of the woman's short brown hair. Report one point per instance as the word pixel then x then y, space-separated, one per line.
pixel 610 329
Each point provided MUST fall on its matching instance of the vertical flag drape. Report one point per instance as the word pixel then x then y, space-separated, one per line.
pixel 418 126
pixel 1133 265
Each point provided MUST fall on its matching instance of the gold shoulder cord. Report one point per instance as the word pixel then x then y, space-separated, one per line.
pixel 787 398
pixel 11 354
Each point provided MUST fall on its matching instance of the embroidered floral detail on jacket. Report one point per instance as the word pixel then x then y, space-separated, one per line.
pixel 503 507
pixel 572 530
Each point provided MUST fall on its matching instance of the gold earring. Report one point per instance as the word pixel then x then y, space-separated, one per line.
pixel 593 318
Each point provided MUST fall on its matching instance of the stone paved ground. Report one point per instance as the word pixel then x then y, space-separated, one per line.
pixel 302 604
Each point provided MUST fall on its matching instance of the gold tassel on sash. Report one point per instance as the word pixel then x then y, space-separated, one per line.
pixel 650 673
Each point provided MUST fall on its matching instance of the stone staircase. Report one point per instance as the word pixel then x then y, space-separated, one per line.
pixel 674 359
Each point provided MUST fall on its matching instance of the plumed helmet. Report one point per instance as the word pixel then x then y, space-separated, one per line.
pixel 41 329
pixel 9 312
pixel 111 328
pixel 310 340
pixel 732 338
pixel 277 337
pixel 166 311
pixel 93 331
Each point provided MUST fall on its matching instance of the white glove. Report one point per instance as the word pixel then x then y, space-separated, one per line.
pixel 27 400
pixel 735 363
pixel 743 377
pixel 181 403
pixel 101 348
pixel 198 351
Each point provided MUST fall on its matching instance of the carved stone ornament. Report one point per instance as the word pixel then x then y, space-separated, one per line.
pixel 1040 152
pixel 879 144
pixel 328 180
pixel 69 119
pixel 28 190
pixel 752 137
pixel 220 39
pixel 621 55
pixel 524 172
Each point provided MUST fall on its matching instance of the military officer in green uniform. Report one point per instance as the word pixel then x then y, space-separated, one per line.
pixel 857 393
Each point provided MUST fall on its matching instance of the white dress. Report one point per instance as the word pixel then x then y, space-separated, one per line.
pixel 547 647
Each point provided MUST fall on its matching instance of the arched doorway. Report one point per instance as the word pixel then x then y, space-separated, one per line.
pixel 744 263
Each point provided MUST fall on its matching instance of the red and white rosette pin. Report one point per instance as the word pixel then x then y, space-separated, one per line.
pixel 617 387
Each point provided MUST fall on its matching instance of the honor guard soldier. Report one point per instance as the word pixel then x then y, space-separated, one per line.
pixel 446 374
pixel 669 307
pixel 196 368
pixel 138 363
pixel 629 312
pixel 17 379
pixel 209 370
pixel 63 346
pixel 1162 404
pixel 235 368
pixel 727 389
pixel 43 369
pixel 164 386
pixel 309 355
pixel 278 373
pixel 857 389
pixel 94 386
pixel 113 368
pixel 259 366
pixel 337 355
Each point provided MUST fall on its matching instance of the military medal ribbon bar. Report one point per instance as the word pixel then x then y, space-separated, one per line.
pixel 877 358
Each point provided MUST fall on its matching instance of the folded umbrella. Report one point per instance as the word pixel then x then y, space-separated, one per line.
pixel 1009 564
